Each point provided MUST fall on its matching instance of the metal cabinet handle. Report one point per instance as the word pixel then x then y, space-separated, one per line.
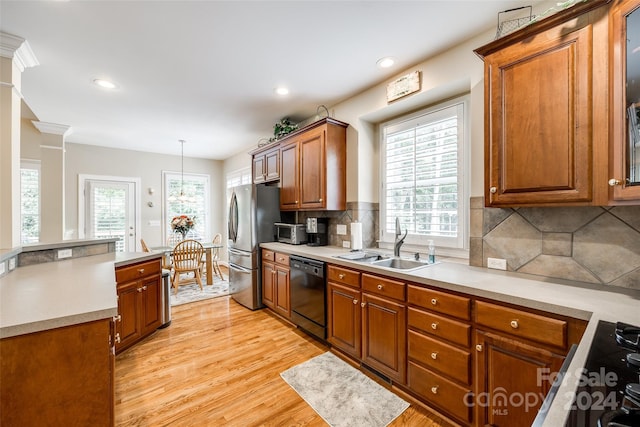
pixel 139 289
pixel 514 324
pixel 144 288
pixel 141 270
pixel 117 338
pixel 434 355
pixel 613 182
pixel 478 347
pixel 320 200
pixel 434 389
pixel 493 190
pixel 380 286
pixel 340 276
pixel 434 326
pixel 355 301
pixel 362 304
pixel 117 318
pixel 434 301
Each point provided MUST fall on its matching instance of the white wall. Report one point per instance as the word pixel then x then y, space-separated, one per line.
pixel 94 160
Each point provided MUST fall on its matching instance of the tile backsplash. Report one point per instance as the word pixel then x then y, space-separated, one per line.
pixel 599 245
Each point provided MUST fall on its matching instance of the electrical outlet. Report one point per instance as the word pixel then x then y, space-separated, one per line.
pixel 65 253
pixel 341 229
pixel 12 263
pixel 346 244
pixel 497 263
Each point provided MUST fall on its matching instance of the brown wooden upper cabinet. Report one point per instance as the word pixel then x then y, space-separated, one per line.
pixel 546 123
pixel 266 164
pixel 313 167
pixel 625 111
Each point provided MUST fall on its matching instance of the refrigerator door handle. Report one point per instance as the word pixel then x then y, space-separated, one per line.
pixel 239 253
pixel 233 218
pixel 240 269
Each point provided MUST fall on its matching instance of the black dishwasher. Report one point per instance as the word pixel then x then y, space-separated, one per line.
pixel 308 295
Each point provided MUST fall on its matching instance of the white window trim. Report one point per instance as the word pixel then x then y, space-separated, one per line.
pixel 413 244
pixel 82 178
pixel 239 173
pixel 207 201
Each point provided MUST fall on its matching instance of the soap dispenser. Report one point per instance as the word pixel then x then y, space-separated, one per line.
pixel 431 251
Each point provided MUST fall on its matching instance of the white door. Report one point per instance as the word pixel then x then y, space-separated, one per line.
pixel 110 211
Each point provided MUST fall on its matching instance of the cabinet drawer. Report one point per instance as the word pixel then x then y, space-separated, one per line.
pixel 523 324
pixel 438 326
pixel 268 255
pixel 435 389
pixel 384 287
pixel 282 259
pixel 343 275
pixel 441 302
pixel 442 357
pixel 137 271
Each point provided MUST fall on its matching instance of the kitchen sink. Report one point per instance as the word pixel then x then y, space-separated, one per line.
pixel 400 264
pixel 365 256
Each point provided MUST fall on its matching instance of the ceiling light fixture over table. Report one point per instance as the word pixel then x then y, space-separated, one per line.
pixel 181 197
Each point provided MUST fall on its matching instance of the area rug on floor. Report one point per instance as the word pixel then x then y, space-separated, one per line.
pixel 191 292
pixel 342 395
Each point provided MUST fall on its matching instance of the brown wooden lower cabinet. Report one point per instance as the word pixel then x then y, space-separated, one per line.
pixel 276 293
pixel 59 377
pixel 344 319
pixel 511 380
pixel 139 288
pixel 268 284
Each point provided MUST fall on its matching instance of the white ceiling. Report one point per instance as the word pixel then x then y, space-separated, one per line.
pixel 205 71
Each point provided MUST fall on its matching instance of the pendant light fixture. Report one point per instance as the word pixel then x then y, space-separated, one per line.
pixel 181 197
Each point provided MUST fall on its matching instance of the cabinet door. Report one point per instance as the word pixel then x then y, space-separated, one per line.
pixel 282 300
pixel 539 124
pixel 151 304
pixel 268 284
pixel 384 329
pixel 259 168
pixel 344 318
pixel 289 182
pixel 312 169
pixel 272 165
pixel 129 326
pixel 625 110
pixel 506 399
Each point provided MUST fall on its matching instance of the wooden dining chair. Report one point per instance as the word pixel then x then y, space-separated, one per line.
pixel 187 258
pixel 215 256
pixel 145 248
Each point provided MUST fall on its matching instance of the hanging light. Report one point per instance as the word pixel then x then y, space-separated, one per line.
pixel 181 197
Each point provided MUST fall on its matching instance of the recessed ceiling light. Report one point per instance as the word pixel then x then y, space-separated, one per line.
pixel 104 83
pixel 282 91
pixel 385 62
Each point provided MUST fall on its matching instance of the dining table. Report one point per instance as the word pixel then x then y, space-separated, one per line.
pixel 208 250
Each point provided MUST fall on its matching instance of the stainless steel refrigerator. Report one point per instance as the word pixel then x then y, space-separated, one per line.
pixel 252 211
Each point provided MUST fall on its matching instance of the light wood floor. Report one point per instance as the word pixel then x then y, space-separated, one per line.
pixel 219 363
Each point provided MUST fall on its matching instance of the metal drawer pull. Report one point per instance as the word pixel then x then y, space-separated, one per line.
pixel 434 301
pixel 434 389
pixel 117 338
pixel 362 304
pixel 340 276
pixel 139 289
pixel 514 324
pixel 380 286
pixel 434 355
pixel 479 347
pixel 141 271
pixel 144 288
pixel 355 301
pixel 434 326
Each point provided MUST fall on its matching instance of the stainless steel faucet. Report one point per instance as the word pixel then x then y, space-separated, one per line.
pixel 398 242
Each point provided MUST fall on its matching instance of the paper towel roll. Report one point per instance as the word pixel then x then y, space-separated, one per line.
pixel 356 235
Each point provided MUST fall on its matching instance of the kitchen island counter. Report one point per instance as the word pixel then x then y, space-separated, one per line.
pixel 55 294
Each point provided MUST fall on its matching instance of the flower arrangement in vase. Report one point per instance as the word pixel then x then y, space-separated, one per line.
pixel 182 224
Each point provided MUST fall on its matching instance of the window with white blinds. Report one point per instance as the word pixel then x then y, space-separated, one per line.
pixel 423 165
pixel 30 202
pixel 194 203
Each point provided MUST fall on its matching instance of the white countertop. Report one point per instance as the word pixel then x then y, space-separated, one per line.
pixel 55 294
pixel 574 299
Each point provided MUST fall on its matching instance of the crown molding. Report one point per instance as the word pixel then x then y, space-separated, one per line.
pixel 52 128
pixel 18 49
